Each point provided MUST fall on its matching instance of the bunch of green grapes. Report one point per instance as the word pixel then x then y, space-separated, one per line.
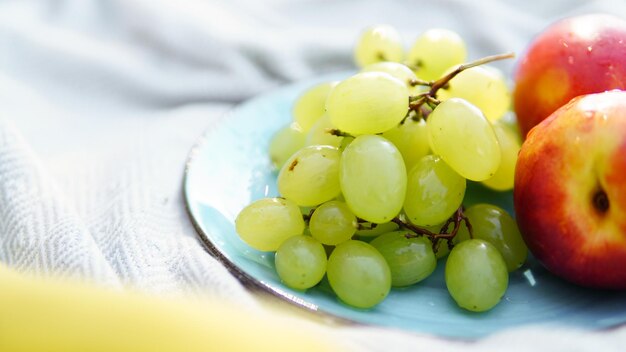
pixel 373 171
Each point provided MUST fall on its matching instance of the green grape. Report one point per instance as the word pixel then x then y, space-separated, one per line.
pixel 434 192
pixel 368 103
pixel 266 223
pixel 311 105
pixel 510 144
pixel 394 69
pixel 411 139
pixel 496 226
pixel 300 262
pixel 319 134
pixel 399 71
pixel 435 51
pixel 476 275
pixel 482 86
pixel 358 274
pixel 410 260
pixel 311 176
pixel 373 178
pixel 284 143
pixel 459 133
pixel 373 230
pixel 333 223
pixel 378 43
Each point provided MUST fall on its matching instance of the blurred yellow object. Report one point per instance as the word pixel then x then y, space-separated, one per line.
pixel 48 315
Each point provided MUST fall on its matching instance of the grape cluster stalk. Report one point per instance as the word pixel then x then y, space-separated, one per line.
pixel 372 174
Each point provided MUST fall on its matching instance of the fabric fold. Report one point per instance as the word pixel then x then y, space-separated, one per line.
pixel 40 232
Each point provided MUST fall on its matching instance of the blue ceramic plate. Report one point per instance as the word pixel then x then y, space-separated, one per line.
pixel 229 167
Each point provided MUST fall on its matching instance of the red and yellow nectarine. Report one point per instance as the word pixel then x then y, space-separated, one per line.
pixel 570 191
pixel 575 56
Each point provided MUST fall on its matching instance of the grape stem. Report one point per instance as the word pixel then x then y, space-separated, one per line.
pixel 338 133
pixel 419 231
pixel 420 82
pixel 443 234
pixel 417 102
pixel 430 97
pixel 361 225
pixel 307 217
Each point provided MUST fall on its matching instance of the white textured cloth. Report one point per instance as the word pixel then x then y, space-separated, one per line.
pixel 100 102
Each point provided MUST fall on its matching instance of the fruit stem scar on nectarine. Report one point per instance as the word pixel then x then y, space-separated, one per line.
pixel 600 201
